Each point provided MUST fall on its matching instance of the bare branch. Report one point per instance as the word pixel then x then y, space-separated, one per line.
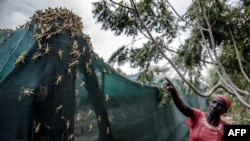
pixel 236 91
pixel 217 86
pixel 196 26
pixel 238 56
pixel 217 61
pixel 239 97
pixel 132 10
pixel 163 54
pixel 124 6
pixel 225 83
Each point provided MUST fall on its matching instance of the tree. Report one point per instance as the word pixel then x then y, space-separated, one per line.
pixel 218 38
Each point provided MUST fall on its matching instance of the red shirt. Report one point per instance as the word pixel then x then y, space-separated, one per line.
pixel 200 130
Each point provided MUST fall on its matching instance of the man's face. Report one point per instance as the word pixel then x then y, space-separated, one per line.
pixel 217 106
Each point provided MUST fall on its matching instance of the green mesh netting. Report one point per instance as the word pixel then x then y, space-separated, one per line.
pixel 53 87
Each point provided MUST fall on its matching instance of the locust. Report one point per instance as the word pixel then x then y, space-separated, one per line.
pixel 82 84
pixel 106 97
pixel 70 137
pixel 78 117
pixel 69 71
pixel 60 53
pixel 58 80
pixel 67 122
pixel 76 92
pixel 90 111
pixel 21 59
pixel 37 126
pixel 108 130
pixel 59 107
pixel 99 119
pixel 28 92
pixel 73 63
pixel 36 56
pixel 90 127
pixel 40 46
pixel 47 49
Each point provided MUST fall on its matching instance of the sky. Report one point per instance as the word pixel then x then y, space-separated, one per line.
pixel 15 13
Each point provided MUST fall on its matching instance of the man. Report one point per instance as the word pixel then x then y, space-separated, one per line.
pixel 203 126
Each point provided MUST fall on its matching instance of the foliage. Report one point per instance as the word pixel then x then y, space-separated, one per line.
pixel 218 27
pixel 121 20
pixel 223 19
pixel 138 56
